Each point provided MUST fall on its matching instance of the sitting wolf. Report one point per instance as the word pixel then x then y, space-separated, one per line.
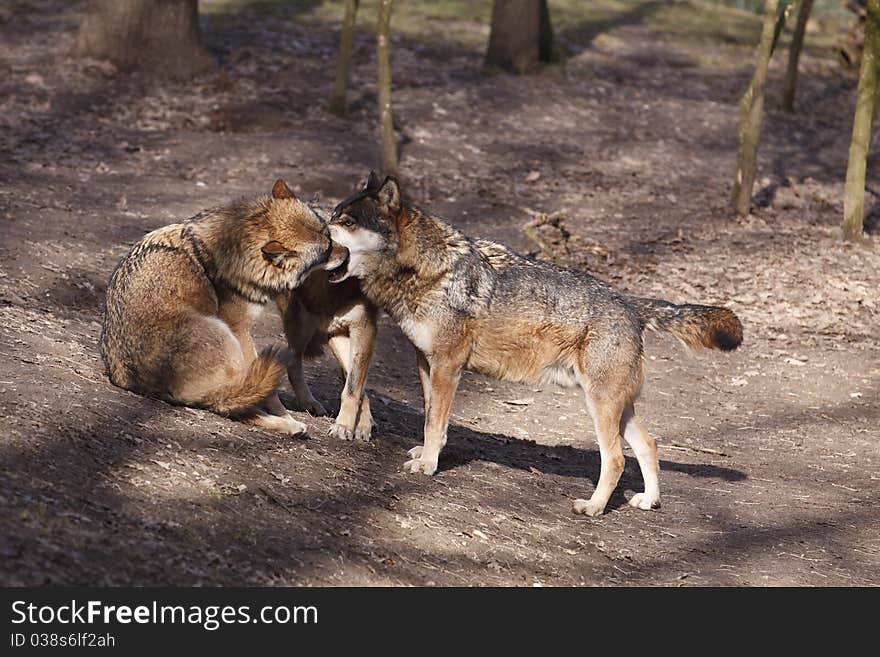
pixel 181 304
pixel 478 305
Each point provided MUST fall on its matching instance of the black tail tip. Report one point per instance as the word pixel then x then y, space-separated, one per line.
pixel 725 329
pixel 727 341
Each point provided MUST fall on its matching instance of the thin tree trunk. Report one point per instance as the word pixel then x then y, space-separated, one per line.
pixel 337 102
pixel 159 37
pixel 751 107
pixel 854 193
pixel 521 36
pixel 794 55
pixel 386 119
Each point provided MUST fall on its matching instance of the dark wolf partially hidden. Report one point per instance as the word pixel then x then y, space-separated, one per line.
pixel 332 311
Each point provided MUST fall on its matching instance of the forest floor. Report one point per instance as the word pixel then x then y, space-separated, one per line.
pixel 769 456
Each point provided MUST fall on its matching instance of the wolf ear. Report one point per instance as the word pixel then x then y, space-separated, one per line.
pixel 281 190
pixel 275 252
pixel 372 183
pixel 389 195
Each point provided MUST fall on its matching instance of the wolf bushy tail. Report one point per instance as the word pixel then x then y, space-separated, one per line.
pixel 697 326
pixel 243 394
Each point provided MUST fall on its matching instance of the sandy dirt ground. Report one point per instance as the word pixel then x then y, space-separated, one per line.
pixel 769 455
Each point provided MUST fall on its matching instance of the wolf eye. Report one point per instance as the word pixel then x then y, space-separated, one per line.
pixel 348 223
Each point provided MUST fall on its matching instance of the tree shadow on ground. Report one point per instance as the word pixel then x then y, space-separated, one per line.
pixel 80 509
pixel 77 520
pixel 467 445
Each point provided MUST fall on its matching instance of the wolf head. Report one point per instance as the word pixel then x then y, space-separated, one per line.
pixel 367 223
pixel 273 244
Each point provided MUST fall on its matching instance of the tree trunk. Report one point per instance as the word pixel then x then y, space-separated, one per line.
pixel 386 119
pixel 337 102
pixel 794 55
pixel 854 193
pixel 158 37
pixel 521 36
pixel 751 107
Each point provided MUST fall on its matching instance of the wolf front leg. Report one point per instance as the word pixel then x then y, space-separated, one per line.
pixel 304 397
pixel 425 380
pixel 442 382
pixel 354 353
pixel 299 328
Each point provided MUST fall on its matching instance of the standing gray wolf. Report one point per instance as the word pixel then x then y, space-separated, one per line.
pixel 336 313
pixel 180 306
pixel 478 305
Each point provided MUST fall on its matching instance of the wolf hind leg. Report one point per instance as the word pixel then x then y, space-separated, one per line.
pixel 212 370
pixel 209 356
pixel 610 372
pixel 606 414
pixel 646 453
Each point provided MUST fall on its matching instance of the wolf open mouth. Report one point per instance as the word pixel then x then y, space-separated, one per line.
pixel 340 273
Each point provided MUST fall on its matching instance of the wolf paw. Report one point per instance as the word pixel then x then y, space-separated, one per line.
pixel 420 464
pixel 415 452
pixel 364 429
pixel 284 423
pixel 314 408
pixel 295 427
pixel 363 433
pixel 643 501
pixel 341 432
pixel 587 508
